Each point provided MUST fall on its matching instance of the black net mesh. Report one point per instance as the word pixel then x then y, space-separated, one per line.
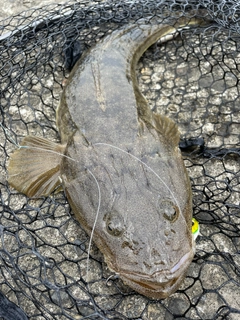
pixel 194 79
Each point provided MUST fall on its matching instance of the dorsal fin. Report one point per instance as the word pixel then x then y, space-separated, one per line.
pixel 167 128
pixel 34 169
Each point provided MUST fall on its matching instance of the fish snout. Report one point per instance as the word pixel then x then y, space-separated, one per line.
pixel 159 284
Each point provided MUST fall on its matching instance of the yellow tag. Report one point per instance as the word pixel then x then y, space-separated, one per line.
pixel 195 228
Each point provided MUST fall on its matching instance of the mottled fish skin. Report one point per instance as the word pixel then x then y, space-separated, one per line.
pixel 144 223
pixel 112 142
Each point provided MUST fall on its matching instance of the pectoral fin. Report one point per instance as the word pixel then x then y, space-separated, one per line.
pixel 34 169
pixel 167 128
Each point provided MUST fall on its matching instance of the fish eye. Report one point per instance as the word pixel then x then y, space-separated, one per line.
pixel 113 229
pixel 114 223
pixel 168 210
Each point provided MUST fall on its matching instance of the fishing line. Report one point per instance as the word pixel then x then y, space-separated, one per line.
pixel 95 221
pixel 95 179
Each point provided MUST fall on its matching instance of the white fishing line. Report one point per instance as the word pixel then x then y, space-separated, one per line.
pixel 95 221
pixel 96 181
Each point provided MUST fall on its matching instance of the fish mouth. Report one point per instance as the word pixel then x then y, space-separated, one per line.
pixel 160 284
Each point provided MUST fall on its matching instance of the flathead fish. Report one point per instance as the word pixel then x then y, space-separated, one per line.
pixel 119 164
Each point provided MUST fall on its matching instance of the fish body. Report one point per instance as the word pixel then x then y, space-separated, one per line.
pixel 120 165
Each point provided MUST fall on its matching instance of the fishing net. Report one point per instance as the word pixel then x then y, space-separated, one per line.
pixel 193 79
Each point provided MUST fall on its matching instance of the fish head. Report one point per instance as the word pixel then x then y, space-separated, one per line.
pixel 150 242
pixel 140 217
